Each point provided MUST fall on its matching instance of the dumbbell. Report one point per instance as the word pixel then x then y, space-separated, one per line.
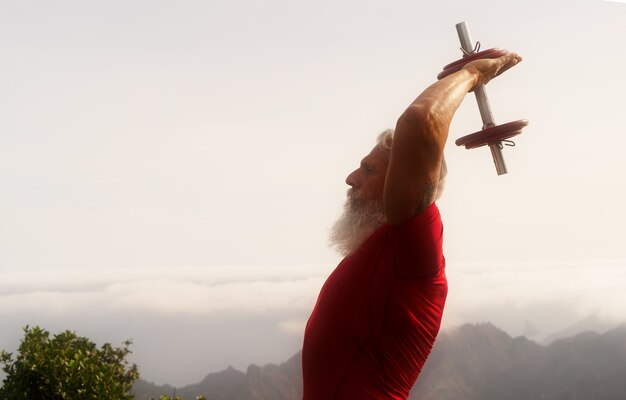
pixel 491 134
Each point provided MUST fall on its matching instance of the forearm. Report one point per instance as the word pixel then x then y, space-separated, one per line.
pixel 432 111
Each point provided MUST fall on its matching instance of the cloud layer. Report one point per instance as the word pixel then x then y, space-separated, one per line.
pixel 246 290
pixel 205 319
pixel 585 287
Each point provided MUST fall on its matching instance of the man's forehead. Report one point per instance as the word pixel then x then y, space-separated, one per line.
pixel 376 156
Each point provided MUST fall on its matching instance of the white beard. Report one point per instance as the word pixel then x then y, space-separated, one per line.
pixel 357 222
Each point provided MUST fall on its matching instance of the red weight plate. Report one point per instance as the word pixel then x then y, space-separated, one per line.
pixel 492 140
pixel 492 135
pixel 458 64
pixel 489 53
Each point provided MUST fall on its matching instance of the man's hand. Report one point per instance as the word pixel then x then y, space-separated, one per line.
pixel 486 69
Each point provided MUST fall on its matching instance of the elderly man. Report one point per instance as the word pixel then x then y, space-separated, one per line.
pixel 379 312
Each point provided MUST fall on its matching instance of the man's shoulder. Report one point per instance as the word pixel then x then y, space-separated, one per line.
pixel 422 218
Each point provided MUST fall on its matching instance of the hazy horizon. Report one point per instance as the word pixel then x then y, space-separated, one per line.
pixel 205 319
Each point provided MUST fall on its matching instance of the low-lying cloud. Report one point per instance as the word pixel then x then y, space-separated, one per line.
pixel 205 319
pixel 245 290
pixel 584 287
pixel 546 295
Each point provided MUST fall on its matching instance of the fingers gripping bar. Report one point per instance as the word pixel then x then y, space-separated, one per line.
pixel 491 134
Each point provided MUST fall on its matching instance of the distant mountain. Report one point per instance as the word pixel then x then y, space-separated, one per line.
pixel 588 366
pixel 282 381
pixel 590 324
pixel 473 362
pixel 463 360
pixel 276 382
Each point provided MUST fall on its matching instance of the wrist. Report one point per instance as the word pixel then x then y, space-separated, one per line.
pixel 472 76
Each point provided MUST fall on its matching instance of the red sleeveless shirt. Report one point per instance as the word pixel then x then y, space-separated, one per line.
pixel 378 314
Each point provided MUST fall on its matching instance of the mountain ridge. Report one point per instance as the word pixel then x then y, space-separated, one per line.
pixel 471 362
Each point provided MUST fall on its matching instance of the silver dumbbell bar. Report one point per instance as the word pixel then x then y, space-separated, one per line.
pixel 482 100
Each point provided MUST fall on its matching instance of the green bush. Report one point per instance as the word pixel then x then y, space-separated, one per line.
pixel 66 367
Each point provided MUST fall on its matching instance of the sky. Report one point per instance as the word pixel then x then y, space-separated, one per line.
pixel 169 170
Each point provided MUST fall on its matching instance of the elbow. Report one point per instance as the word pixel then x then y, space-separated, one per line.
pixel 420 116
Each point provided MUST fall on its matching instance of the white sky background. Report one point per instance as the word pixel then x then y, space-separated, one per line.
pixel 169 170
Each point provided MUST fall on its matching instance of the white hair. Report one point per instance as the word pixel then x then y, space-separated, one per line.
pixel 384 142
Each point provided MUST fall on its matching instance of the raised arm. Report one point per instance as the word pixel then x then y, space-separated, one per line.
pixel 421 134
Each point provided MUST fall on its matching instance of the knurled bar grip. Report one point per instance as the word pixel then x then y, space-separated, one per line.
pixel 482 100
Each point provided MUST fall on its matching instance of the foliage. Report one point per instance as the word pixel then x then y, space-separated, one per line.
pixel 66 367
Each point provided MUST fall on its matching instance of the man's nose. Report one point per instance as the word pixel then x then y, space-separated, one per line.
pixel 351 179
